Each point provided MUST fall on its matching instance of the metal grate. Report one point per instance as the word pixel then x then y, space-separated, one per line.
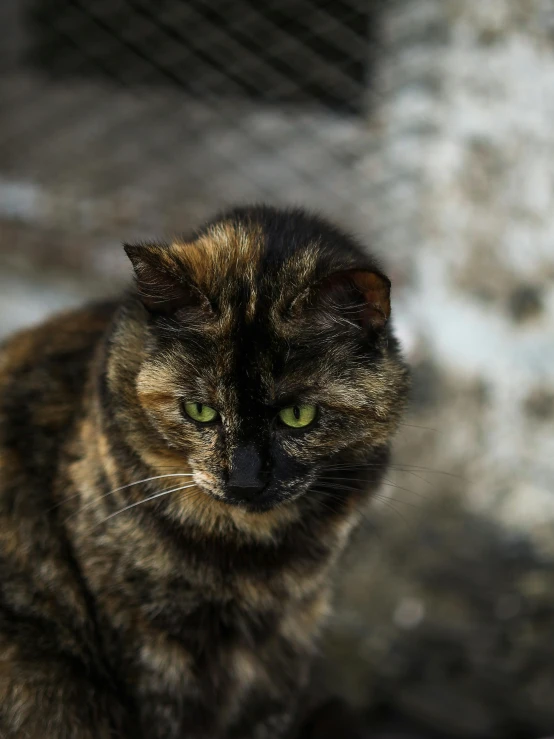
pixel 126 118
pixel 290 50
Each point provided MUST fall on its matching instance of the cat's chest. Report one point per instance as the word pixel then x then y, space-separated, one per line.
pixel 192 657
pixel 202 670
pixel 195 641
pixel 203 663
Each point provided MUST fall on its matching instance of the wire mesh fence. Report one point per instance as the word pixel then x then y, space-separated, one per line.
pixel 125 118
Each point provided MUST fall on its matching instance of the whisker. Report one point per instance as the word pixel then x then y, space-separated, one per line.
pixel 145 500
pixel 330 494
pixel 329 507
pixel 390 499
pixel 397 467
pixel 389 483
pixel 417 426
pixel 413 474
pixel 330 479
pixel 348 488
pixel 387 501
pixel 364 480
pixel 361 479
pixel 149 479
pixel 116 490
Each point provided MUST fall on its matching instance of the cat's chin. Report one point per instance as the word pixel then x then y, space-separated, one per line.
pixel 264 503
pixel 260 505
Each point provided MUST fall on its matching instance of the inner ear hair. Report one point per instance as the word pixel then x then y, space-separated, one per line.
pixel 375 289
pixel 361 295
pixel 163 286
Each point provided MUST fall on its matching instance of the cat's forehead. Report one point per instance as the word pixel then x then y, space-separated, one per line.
pixel 222 253
pixel 240 264
pixel 252 365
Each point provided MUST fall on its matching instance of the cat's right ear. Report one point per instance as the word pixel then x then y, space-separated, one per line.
pixel 162 283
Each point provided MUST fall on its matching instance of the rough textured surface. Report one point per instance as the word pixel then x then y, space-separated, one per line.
pixel 445 607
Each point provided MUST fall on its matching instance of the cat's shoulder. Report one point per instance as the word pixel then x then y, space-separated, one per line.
pixel 43 375
pixel 47 365
pixel 57 341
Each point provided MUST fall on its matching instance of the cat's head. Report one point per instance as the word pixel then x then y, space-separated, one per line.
pixel 267 355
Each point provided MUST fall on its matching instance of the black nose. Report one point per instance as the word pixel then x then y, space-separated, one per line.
pixel 246 492
pixel 246 473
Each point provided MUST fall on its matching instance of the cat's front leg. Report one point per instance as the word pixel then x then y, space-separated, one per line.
pixel 276 726
pixel 334 719
pixel 56 700
pixel 265 718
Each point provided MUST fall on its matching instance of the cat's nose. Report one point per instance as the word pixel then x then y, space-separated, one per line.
pixel 246 479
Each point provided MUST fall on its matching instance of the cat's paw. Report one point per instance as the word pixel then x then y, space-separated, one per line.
pixel 334 719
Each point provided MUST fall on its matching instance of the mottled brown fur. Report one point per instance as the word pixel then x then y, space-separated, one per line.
pixel 126 612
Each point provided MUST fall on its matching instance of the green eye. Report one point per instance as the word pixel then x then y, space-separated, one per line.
pixel 298 416
pixel 201 413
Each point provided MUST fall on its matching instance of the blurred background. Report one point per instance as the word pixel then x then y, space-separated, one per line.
pixel 426 128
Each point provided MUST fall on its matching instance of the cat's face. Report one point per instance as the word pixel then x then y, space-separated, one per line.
pixel 266 360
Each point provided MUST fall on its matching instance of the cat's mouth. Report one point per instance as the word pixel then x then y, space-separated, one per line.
pixel 258 502
pixel 253 500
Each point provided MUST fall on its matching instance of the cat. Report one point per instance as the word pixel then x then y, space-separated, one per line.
pixel 180 470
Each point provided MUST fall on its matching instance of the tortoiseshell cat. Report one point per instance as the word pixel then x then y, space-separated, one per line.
pixel 179 473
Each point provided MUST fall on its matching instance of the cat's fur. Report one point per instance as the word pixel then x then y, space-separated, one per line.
pixel 191 614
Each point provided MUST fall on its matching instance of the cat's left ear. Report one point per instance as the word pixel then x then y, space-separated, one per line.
pixel 360 296
pixel 163 283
